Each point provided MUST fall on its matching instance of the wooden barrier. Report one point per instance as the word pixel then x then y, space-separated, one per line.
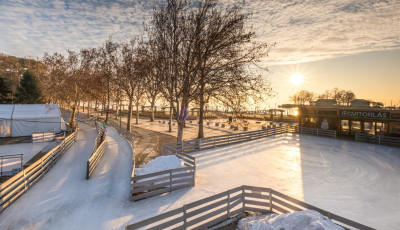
pixel 215 209
pixel 14 187
pixel 376 139
pixel 97 154
pixel 157 183
pixel 223 140
pixel 314 131
pixel 43 136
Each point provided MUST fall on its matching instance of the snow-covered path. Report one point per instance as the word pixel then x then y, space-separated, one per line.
pixel 64 199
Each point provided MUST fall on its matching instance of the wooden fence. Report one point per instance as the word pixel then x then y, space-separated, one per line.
pixel 376 139
pixel 97 154
pixel 314 131
pixel 43 136
pixel 157 183
pixel 215 209
pixel 14 187
pixel 223 140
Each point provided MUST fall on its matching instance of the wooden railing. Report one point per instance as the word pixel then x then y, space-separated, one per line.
pixel 43 136
pixel 376 139
pixel 157 183
pixel 14 187
pixel 223 140
pixel 215 209
pixel 98 152
pixel 314 131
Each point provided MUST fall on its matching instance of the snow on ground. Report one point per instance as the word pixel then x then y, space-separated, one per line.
pixel 191 130
pixel 302 220
pixel 64 199
pixel 356 180
pixel 28 149
pixel 160 163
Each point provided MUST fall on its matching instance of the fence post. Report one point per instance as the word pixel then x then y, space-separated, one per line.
pixel 356 137
pixel 379 139
pixel 214 142
pixel 228 203
pixel 170 180
pixel 87 170
pixel 317 132
pixel 243 200
pixel 184 217
pixel 270 200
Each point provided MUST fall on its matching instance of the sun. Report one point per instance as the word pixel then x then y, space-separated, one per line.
pixel 296 79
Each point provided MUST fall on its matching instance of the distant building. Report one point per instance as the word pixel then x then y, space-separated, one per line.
pixel 359 117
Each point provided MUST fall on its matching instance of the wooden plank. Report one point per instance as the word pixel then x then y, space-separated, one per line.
pixel 207 216
pixel 235 203
pixel 255 189
pixel 155 219
pixel 192 213
pixel 255 202
pixel 136 178
pixel 286 205
pixel 350 222
pixel 149 194
pixel 236 212
pixel 150 181
pixel 213 222
pixel 252 209
pixel 278 208
pixel 149 187
pixel 177 187
pixel 256 195
pixel 206 200
pixel 168 224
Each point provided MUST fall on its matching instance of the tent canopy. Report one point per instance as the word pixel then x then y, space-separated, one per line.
pixel 23 120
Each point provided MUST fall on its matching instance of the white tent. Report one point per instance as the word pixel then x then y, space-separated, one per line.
pixel 5 120
pixel 30 118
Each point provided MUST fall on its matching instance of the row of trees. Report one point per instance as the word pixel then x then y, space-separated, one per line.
pixel 342 97
pixel 191 54
pixel 27 92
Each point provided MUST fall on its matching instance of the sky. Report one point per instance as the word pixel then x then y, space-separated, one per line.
pixel 350 44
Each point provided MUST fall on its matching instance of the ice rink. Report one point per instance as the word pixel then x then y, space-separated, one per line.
pixel 356 180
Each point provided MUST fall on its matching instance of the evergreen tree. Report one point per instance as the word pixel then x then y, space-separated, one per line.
pixel 5 91
pixel 28 92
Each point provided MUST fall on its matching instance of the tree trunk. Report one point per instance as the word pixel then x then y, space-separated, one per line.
pixel 179 138
pixel 128 127
pixel 201 118
pixel 137 113
pixel 170 117
pixel 152 110
pixel 88 108
pixel 72 118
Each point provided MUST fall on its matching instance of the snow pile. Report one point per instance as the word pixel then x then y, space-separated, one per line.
pixel 161 163
pixel 301 220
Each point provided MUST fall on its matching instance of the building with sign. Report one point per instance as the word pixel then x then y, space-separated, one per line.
pixel 348 120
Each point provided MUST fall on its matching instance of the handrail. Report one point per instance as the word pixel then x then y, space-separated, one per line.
pixel 223 206
pixel 17 185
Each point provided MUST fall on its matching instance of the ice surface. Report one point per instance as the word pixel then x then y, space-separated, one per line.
pixel 355 180
pixel 301 220
pixel 160 163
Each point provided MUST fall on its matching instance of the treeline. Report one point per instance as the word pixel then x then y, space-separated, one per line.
pixel 17 81
pixel 342 97
pixel 191 54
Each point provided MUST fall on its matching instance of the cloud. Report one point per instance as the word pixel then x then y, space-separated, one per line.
pixel 302 30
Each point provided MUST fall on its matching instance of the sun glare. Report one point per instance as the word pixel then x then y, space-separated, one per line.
pixel 296 79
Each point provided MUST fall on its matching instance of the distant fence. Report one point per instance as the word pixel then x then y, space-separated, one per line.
pixel 98 152
pixel 314 131
pixel 157 183
pixel 14 187
pixel 376 139
pixel 43 136
pixel 9 162
pixel 223 140
pixel 215 209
